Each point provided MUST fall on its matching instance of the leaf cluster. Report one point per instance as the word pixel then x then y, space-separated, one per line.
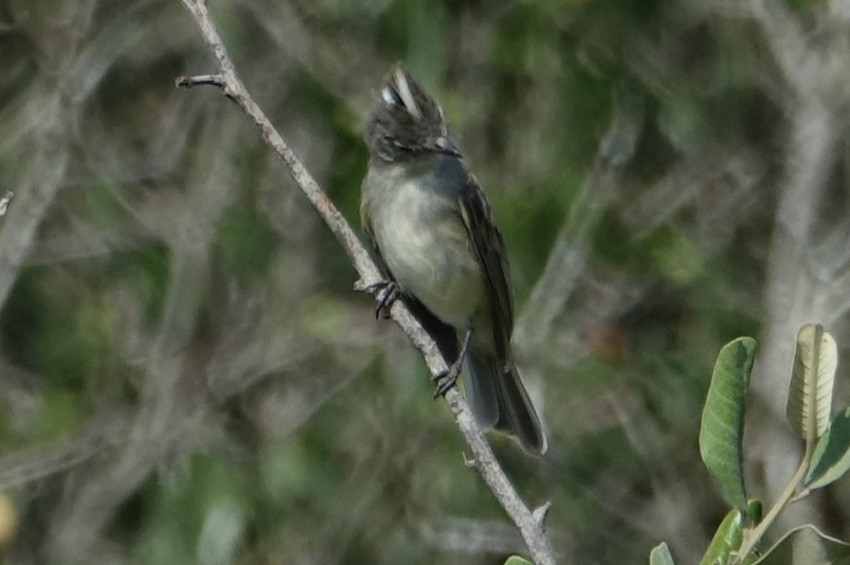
pixel 826 456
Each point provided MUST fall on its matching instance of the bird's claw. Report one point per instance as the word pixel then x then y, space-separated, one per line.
pixel 386 292
pixel 446 379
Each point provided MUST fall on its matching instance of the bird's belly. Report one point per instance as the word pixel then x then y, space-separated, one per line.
pixel 427 250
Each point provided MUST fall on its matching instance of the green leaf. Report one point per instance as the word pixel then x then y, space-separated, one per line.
pixel 722 429
pixel 755 511
pixel 517 560
pixel 727 539
pixel 660 555
pixel 807 545
pixel 831 458
pixel 810 395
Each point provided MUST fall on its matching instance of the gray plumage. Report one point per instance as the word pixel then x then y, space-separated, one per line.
pixel 436 235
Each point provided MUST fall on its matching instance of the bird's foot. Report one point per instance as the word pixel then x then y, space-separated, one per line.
pixel 386 292
pixel 447 379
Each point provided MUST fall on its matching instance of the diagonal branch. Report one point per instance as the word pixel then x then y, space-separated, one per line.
pixel 529 523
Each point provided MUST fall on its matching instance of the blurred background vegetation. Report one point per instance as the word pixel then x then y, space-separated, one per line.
pixel 187 376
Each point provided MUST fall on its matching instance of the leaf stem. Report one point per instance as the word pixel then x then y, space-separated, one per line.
pixel 752 537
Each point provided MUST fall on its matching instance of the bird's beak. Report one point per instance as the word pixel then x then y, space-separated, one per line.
pixel 445 145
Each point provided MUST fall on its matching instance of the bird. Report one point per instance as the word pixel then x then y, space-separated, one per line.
pixel 441 251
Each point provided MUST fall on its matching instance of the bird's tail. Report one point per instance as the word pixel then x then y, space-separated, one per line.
pixel 499 400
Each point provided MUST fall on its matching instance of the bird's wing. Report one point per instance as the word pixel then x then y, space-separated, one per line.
pixel 488 242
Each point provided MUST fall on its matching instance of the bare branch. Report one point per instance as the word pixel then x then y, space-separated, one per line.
pixel 787 43
pixel 50 163
pixel 25 466
pixel 530 525
pixel 189 82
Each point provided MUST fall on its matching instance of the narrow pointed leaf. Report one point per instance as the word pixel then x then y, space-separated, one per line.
pixel 722 429
pixel 807 545
pixel 831 458
pixel 727 539
pixel 661 555
pixel 810 394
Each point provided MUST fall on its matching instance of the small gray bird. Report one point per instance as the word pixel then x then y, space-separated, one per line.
pixel 443 253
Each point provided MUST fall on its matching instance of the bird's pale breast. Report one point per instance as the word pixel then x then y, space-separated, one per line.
pixel 424 243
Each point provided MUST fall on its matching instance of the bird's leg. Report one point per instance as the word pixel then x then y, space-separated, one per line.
pixel 387 292
pixel 447 379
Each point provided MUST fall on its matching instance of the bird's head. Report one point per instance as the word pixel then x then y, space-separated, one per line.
pixel 406 121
